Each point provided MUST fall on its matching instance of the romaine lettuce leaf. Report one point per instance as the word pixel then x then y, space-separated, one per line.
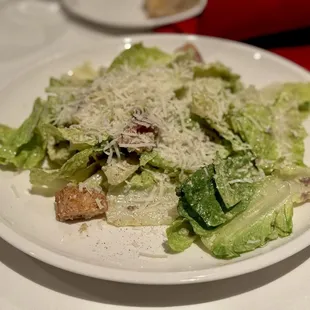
pixel 199 227
pixel 78 138
pixel 146 157
pixel 5 133
pixel 152 206
pixel 58 152
pixel 30 155
pixel 140 56
pixel 119 171
pixel 20 137
pixel 295 95
pixel 180 235
pixel 235 178
pixel 252 95
pixel 154 159
pixel 267 217
pixel 94 182
pixel 142 181
pixel 62 142
pixel 211 102
pixel 199 197
pixel 275 133
pixel 79 77
pixel 219 70
pixel 76 169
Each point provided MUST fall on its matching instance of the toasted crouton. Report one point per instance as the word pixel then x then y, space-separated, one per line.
pixel 73 203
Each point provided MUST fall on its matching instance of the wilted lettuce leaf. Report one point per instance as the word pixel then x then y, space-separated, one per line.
pixel 267 217
pixel 199 227
pixel 161 163
pixel 151 206
pixel 78 138
pixel 295 95
pixel 79 77
pixel 96 181
pixel 199 193
pixel 30 155
pixel 63 141
pixel 5 133
pixel 180 235
pixel 252 95
pixel 154 159
pixel 76 169
pixel 235 178
pixel 211 102
pixel 140 56
pixel 219 70
pixel 275 133
pixel 119 171
pixel 16 139
pixel 143 180
pixel 146 157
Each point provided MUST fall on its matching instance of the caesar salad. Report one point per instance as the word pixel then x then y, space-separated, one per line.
pixel 167 139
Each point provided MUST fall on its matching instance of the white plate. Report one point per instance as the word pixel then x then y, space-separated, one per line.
pixel 125 13
pixel 28 221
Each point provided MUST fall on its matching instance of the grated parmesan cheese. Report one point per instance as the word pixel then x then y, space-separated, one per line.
pixel 111 101
pixel 14 190
pixel 151 255
pixel 99 204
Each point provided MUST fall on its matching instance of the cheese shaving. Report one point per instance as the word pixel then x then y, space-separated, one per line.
pixel 99 204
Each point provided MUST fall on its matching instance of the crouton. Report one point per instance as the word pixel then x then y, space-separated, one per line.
pixel 71 203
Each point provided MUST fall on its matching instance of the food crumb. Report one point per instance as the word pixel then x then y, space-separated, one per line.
pixel 83 228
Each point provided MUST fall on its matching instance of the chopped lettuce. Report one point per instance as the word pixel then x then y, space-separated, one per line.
pixel 78 138
pixel 211 102
pixel 159 162
pixel 140 56
pixel 5 133
pixel 235 177
pixel 79 77
pixel 119 171
pixel 30 155
pixel 95 182
pixel 58 152
pixel 152 206
pixel 180 235
pixel 219 70
pixel 258 216
pixel 143 180
pixel 275 133
pixel 146 157
pixel 21 139
pixel 76 169
pixel 295 94
pixel 267 217
pixel 199 197
pixel 154 159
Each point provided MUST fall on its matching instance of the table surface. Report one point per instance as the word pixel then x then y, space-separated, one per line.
pixel 27 284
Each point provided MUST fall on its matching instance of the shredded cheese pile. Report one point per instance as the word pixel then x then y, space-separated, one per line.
pixel 108 104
